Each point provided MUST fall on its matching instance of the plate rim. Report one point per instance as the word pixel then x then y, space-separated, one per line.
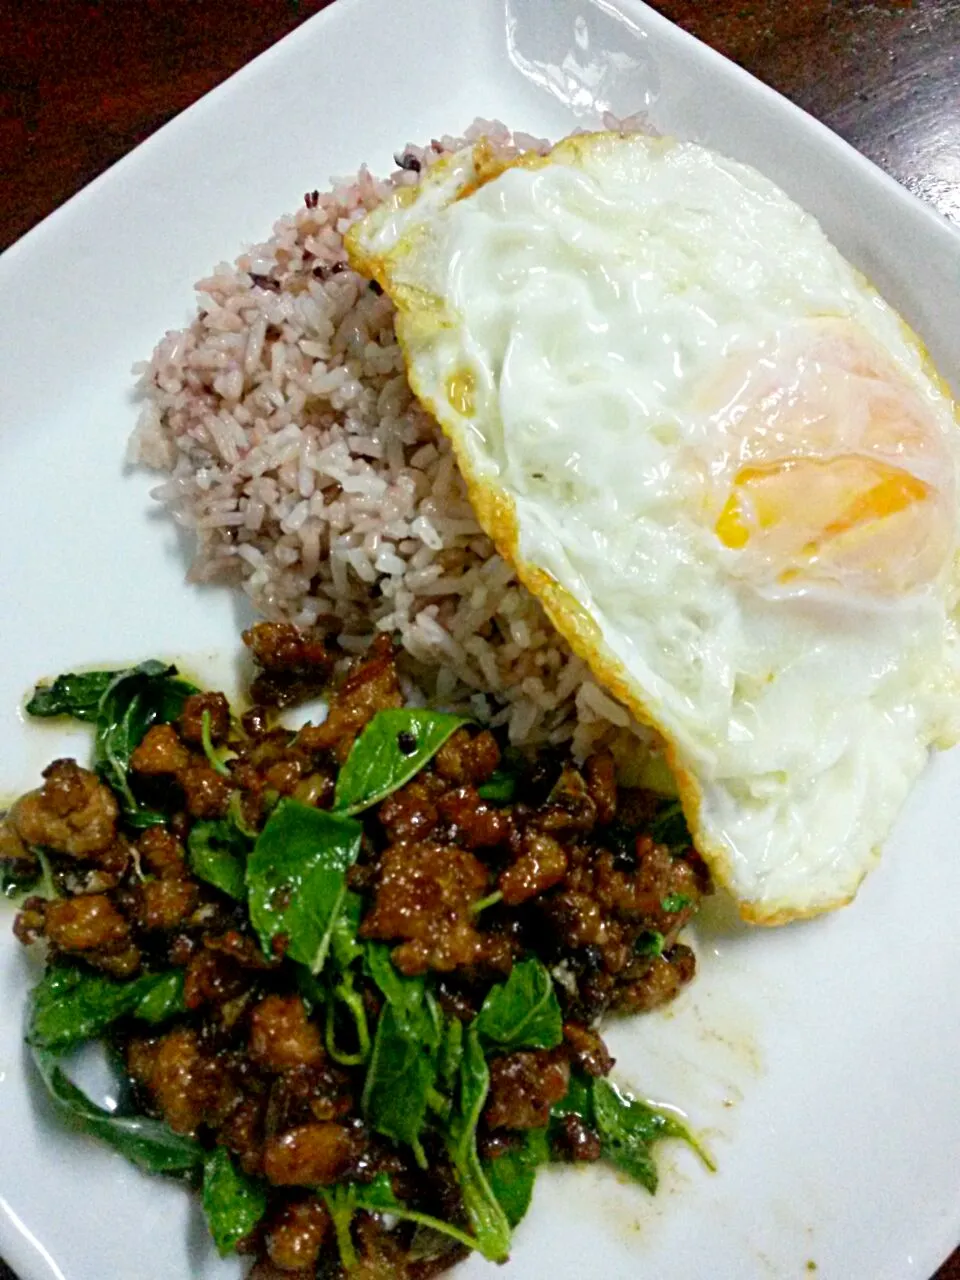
pixel 345 11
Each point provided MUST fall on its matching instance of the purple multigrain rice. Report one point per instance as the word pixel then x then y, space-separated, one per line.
pixel 307 472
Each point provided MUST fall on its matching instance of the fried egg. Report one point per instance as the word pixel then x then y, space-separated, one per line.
pixel 723 463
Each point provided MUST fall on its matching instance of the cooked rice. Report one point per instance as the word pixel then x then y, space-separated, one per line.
pixel 309 474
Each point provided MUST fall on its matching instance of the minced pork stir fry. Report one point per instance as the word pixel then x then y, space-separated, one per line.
pixel 351 974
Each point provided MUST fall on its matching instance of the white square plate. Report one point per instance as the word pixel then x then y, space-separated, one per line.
pixel 819 1060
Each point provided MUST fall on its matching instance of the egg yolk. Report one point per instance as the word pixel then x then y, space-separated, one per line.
pixel 840 473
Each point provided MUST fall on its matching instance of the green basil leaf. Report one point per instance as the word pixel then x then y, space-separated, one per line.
pixel 627 1132
pixel 512 1174
pixel 235 814
pixel 341 1202
pixel 313 990
pixel 628 1128
pixel 500 787
pixel 217 852
pixel 70 1005
pixel 378 1197
pixel 402 1071
pixel 297 879
pixel 407 993
pixel 343 941
pixel 669 827
pixel 674 902
pixel 233 1203
pixel 451 1055
pixel 523 1012
pixel 217 759
pixel 393 747
pixel 578 1100
pixel 347 1003
pixel 649 943
pixel 163 999
pixel 344 1200
pixel 74 694
pixel 487 1218
pixel 149 1144
pixel 134 700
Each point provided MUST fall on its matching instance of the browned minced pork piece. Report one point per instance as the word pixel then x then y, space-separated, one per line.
pixel 182 948
pixel 280 646
pixel 87 923
pixel 240 947
pixel 423 898
pixel 212 979
pixel 72 813
pixel 311 1155
pixel 256 722
pixel 15 857
pixel 542 864
pixel 660 872
pixel 640 894
pixel 380 1254
pixel 207 792
pixel 217 709
pixel 141 1057
pixel 603 905
pixel 383 1255
pixel 164 904
pixel 285 775
pixel 371 685
pixel 316 789
pixel 577 1141
pixel 267 748
pixel 589 1052
pixel 473 822
pixel 466 758
pixel 263 1269
pixel 160 752
pixel 282 1036
pixel 277 762
pixel 664 977
pixel 411 813
pixel 601 773
pixel 188 1087
pixel 28 924
pixel 455 1002
pixel 494 1143
pixel 161 853
pixel 523 1088
pixel 304 1094
pixel 242 1133
pixel 570 808
pixel 295 1234
pixel 576 917
pixel 96 877
pixel 295 663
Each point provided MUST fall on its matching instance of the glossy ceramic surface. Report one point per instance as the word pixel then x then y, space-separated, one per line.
pixel 818 1061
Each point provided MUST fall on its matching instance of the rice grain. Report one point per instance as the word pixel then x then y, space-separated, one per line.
pixel 308 472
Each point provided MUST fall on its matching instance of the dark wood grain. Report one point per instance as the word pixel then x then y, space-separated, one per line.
pixel 81 83
pixel 885 76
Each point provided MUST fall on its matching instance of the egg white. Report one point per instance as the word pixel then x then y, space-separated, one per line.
pixel 580 324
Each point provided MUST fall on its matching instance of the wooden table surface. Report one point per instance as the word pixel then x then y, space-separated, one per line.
pixel 81 83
